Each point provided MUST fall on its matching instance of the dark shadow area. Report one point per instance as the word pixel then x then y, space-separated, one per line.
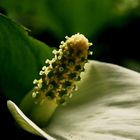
pixel 116 44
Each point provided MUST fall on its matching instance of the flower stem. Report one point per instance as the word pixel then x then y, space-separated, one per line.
pixel 40 113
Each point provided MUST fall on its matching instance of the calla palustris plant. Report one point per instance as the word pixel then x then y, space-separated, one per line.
pixel 105 102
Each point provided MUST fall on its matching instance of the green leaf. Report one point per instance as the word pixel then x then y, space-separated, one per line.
pixel 21 58
pixel 66 17
pixel 106 106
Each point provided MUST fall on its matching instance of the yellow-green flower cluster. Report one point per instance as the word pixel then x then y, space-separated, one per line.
pixel 59 76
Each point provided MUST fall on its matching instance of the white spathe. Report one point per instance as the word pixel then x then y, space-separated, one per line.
pixel 106 107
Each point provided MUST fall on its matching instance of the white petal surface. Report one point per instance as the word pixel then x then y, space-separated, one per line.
pixel 25 122
pixel 106 107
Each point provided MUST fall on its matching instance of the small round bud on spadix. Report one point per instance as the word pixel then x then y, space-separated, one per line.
pixel 60 75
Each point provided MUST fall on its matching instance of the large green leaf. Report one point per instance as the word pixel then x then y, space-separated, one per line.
pixel 106 107
pixel 21 58
pixel 66 17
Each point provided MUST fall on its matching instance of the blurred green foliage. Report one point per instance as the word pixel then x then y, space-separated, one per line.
pixel 21 58
pixel 50 21
pixel 67 17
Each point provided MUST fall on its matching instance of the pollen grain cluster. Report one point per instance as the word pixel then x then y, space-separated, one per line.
pixel 59 76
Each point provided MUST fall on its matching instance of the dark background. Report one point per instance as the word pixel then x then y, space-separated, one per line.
pixel 117 41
